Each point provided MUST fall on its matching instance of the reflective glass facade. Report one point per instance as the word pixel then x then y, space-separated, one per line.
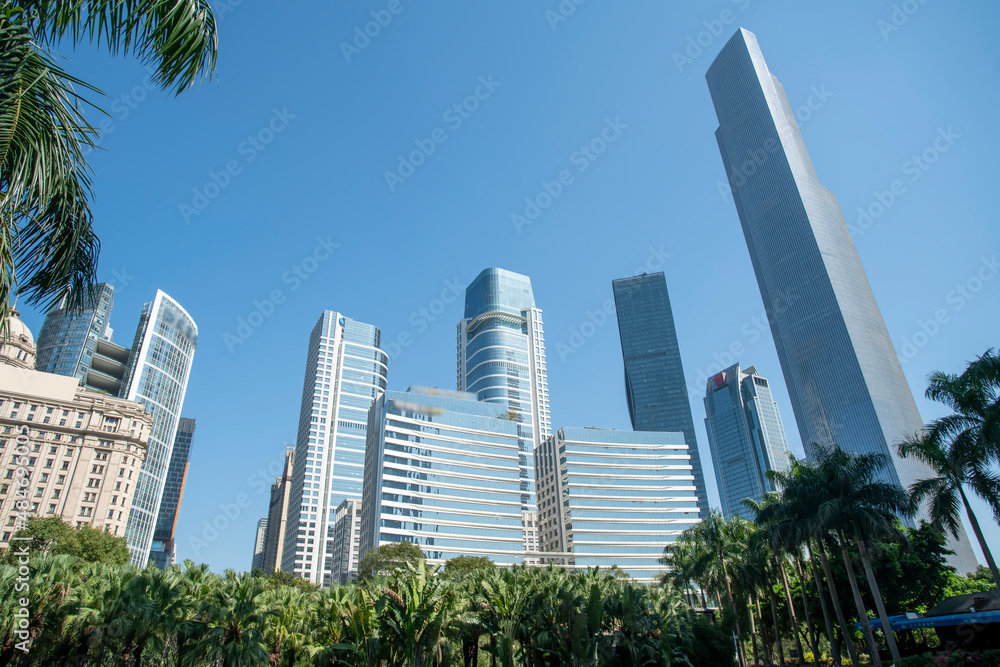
pixel 443 472
pixel 69 337
pixel 162 551
pixel 746 437
pixel 501 359
pixel 844 379
pixel 655 389
pixel 614 498
pixel 157 376
pixel 345 372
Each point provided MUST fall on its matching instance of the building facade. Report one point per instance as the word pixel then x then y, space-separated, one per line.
pixel 614 498
pixel 443 471
pixel 67 452
pixel 257 563
pixel 346 371
pixel 501 359
pixel 156 378
pixel 277 514
pixel 655 389
pixel 163 552
pixel 347 541
pixel 69 336
pixel 844 378
pixel 746 436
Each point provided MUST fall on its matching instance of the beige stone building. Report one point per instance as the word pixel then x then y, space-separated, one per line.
pixel 64 451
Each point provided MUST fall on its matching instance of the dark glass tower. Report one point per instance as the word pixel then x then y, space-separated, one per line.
pixel 844 379
pixel 162 552
pixel 654 377
pixel 69 337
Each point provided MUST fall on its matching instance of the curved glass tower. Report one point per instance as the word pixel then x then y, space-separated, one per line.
pixel 501 359
pixel 346 370
pixel 844 379
pixel 157 377
pixel 68 339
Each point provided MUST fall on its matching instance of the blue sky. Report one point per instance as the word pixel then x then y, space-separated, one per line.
pixel 273 178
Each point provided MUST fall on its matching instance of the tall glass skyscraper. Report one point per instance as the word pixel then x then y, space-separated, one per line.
pixel 501 359
pixel 443 472
pixel 655 389
pixel 69 336
pixel 844 379
pixel 746 437
pixel 163 551
pixel 346 370
pixel 157 376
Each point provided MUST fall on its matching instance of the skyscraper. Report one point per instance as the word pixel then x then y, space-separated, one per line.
pixel 610 497
pixel 157 376
pixel 163 551
pixel 655 389
pixel 257 562
pixel 346 371
pixel 746 437
pixel 844 379
pixel 69 336
pixel 442 471
pixel 501 359
pixel 277 514
pixel 347 541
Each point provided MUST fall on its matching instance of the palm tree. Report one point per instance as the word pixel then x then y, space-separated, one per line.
pixel 234 635
pixel 414 608
pixel 961 448
pixel 47 244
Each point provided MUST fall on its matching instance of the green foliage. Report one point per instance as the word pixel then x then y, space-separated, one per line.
pixel 462 567
pixel 383 561
pixel 978 582
pixel 714 644
pixel 956 659
pixel 54 536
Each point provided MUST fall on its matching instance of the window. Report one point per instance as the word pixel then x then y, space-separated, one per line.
pixel 65 465
pixel 52 450
pixel 86 511
pixel 111 515
pixel 93 483
pixel 97 469
pixel 52 508
pixel 60 479
pixel 48 463
pixel 55 494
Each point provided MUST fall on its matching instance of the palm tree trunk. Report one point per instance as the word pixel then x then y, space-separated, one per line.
pixel 862 612
pixel 763 638
pixel 814 643
pixel 845 630
pixel 753 635
pixel 982 541
pixel 736 616
pixel 777 628
pixel 890 637
pixel 791 609
pixel 830 635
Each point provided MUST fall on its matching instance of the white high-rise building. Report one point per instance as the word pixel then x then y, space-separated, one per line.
pixel 345 372
pixel 501 359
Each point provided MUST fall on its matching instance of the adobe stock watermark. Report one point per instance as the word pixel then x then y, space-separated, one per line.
pixel 581 158
pixel 915 168
pixel 422 318
pixel 222 7
pixel 248 149
pixel 899 17
pixel 263 309
pixel 594 320
pixel 750 332
pixel 363 35
pixel 958 298
pixel 122 107
pixel 455 115
pixel 699 42
pixel 562 12
pixel 758 158
pixel 260 482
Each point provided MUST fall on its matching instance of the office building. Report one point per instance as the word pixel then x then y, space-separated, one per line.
pixel 69 336
pixel 655 389
pixel 257 563
pixel 442 471
pixel 614 498
pixel 844 379
pixel 346 371
pixel 277 514
pixel 83 449
pixel 157 376
pixel 163 552
pixel 746 438
pixel 501 359
pixel 347 541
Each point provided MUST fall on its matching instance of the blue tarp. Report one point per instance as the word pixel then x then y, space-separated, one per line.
pixel 903 623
